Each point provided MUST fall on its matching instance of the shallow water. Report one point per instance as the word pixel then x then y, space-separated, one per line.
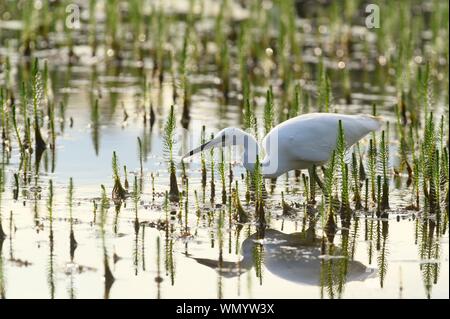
pixel 36 261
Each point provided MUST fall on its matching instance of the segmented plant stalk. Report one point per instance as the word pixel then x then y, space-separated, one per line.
pixel 384 162
pixel 118 192
pixel 356 181
pixel 269 111
pixel 372 167
pixel 169 142
pixel 202 157
pixel 222 176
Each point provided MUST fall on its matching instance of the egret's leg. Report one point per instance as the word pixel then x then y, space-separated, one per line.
pixel 313 176
pixel 312 184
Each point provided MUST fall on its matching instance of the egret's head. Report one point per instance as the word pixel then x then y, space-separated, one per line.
pixel 227 137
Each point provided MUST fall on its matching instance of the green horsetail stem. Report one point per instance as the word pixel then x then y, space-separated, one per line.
pixel 168 143
pixel 269 111
pixel 19 141
pixel 324 88
pixel 212 167
pixel 125 173
pixel 240 214
pixel 297 105
pixel 222 176
pixel 202 156
pixel 356 181
pixel 118 192
pixel 306 186
pixel 37 99
pixel 384 161
pixel 372 166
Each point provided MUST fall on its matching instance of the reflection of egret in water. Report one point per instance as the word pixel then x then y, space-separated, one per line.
pixel 296 257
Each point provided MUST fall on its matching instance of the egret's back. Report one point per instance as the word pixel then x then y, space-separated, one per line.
pixel 311 138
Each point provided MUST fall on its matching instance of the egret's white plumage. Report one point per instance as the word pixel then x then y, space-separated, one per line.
pixel 297 143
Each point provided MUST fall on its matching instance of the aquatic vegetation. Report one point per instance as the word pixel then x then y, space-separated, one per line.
pixel 169 142
pixel 269 111
pixel 118 192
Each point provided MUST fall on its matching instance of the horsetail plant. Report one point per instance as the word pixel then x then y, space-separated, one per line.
pixel 212 167
pixel 118 192
pixel 384 170
pixel 169 143
pixel 269 111
pixel 222 176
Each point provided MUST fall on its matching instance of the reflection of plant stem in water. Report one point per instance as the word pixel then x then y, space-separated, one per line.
pixel 382 251
pixel 2 278
pixel 2 239
pixel 143 247
pixel 169 263
pixel 220 225
pixel 186 209
pixel 429 251
pixel 158 278
pixel 230 218
pixel 51 278
pixel 108 276
pixel 73 242
pixel 258 255
pixel 117 207
pixel 329 272
pixel 370 238
pixel 136 197
pixel 342 263
pixel 354 236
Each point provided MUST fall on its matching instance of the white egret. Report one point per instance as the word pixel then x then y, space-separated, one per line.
pixel 298 143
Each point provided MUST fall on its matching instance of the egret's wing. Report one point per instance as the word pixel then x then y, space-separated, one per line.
pixel 312 137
